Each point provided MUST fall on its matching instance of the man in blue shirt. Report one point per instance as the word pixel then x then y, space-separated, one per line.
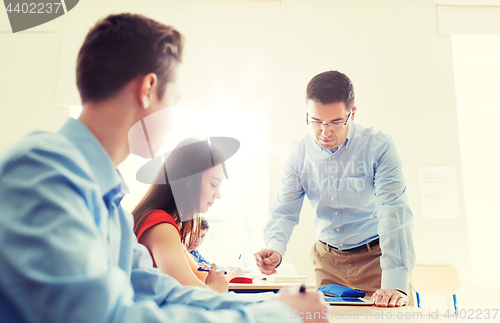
pixel 353 177
pixel 68 251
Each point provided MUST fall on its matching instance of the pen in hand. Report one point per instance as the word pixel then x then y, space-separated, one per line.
pixel 208 269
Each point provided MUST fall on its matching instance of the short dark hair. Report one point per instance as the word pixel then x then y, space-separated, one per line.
pixel 121 47
pixel 203 224
pixel 331 87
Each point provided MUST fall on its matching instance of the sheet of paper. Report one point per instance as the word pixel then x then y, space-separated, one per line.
pixel 286 269
pixel 286 278
pixel 264 296
pixel 438 191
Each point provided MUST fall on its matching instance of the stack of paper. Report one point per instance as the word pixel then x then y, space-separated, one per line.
pixel 265 296
pixel 286 278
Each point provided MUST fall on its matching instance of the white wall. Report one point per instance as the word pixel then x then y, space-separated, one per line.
pixel 28 79
pixel 477 66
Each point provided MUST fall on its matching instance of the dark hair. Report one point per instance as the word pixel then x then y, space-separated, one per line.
pixel 203 224
pixel 331 87
pixel 186 166
pixel 121 47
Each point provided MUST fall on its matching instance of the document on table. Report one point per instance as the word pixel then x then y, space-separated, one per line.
pixel 264 296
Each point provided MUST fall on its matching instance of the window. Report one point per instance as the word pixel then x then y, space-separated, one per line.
pixel 476 60
pixel 237 219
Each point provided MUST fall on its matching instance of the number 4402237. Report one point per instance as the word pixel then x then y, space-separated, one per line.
pixel 471 314
pixel 34 8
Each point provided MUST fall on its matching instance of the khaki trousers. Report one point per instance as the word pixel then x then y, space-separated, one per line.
pixel 359 270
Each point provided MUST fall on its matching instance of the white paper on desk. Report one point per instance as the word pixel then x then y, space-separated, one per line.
pixel 264 296
pixel 438 191
pixel 286 269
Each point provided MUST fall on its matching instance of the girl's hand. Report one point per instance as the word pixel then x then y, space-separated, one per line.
pixel 216 281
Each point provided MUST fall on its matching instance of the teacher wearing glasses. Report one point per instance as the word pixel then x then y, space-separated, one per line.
pixel 353 177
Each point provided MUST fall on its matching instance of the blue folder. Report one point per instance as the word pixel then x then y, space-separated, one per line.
pixel 334 290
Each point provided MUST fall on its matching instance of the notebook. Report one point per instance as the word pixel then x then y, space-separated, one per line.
pixel 286 278
pixel 348 301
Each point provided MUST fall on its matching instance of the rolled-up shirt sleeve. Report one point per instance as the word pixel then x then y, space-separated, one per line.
pixel 395 218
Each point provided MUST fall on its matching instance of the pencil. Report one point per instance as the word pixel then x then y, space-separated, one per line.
pixel 208 269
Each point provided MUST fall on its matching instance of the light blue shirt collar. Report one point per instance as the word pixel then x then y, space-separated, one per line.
pixel 107 176
pixel 345 144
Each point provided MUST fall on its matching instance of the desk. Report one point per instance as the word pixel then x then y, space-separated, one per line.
pixel 368 313
pixel 260 286
pixel 341 313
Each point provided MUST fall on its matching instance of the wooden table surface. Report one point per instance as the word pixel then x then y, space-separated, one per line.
pixel 342 313
pixel 264 285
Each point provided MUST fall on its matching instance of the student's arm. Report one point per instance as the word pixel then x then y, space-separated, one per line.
pixel 202 275
pixel 164 243
pixel 215 279
pixel 173 259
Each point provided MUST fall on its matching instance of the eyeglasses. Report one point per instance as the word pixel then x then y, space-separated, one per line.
pixel 335 125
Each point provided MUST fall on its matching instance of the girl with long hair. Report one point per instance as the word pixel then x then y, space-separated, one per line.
pixel 168 215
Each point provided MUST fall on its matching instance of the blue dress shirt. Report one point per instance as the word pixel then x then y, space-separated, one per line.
pixel 358 193
pixel 68 252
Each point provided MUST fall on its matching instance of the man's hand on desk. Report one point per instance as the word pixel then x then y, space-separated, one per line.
pixel 389 298
pixel 267 260
pixel 304 305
